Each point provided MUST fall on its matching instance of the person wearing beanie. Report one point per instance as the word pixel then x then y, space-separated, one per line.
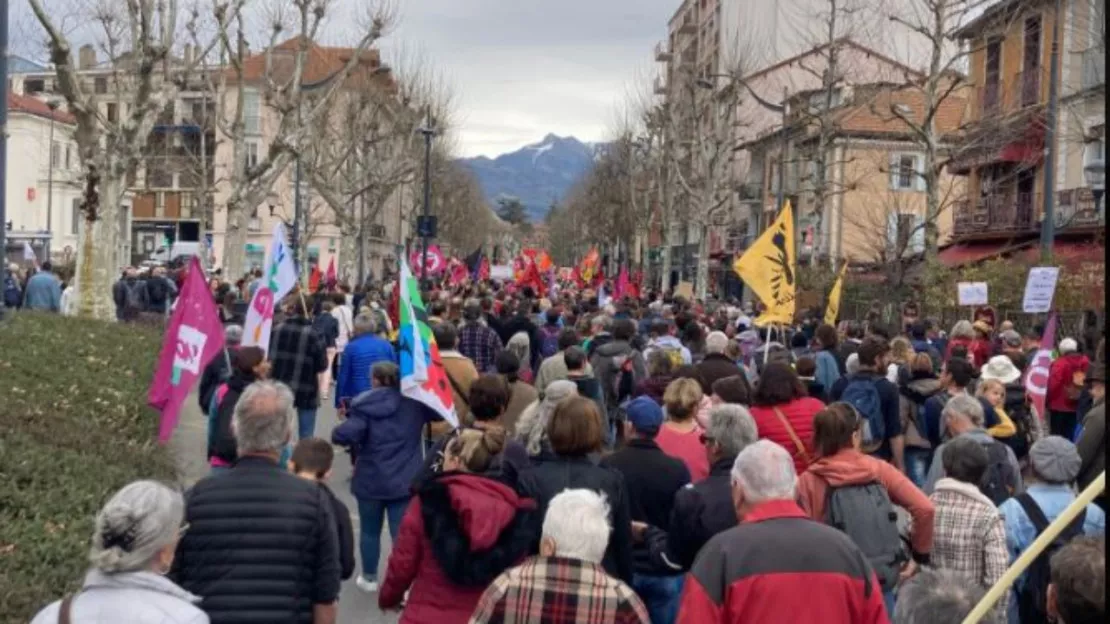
pixel 1055 464
pixel 652 479
pixel 1092 439
pixel 1066 378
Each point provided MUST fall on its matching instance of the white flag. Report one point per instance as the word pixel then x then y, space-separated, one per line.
pixel 28 253
pixel 279 279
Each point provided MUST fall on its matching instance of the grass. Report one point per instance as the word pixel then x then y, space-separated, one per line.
pixel 74 428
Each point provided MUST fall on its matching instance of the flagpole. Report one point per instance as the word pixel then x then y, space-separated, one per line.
pixel 767 345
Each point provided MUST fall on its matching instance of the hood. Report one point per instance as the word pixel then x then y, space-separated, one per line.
pixel 478 526
pixel 918 390
pixel 377 402
pixel 614 348
pixel 847 467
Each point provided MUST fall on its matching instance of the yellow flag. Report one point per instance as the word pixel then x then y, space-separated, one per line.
pixel 832 309
pixel 767 267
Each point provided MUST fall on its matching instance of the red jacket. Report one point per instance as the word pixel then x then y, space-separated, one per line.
pixel 1060 376
pixel 978 350
pixel 780 566
pixel 799 413
pixel 458 534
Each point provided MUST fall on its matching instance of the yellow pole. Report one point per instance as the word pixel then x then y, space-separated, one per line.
pixel 1043 540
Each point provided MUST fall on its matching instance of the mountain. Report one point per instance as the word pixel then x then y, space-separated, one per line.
pixel 538 175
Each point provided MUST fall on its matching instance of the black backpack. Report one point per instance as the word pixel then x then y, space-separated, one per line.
pixel 998 481
pixel 13 295
pixel 1033 595
pixel 864 513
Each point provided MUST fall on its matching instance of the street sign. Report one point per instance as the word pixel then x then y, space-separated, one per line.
pixel 426 226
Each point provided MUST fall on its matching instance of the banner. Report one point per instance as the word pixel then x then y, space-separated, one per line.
pixel 434 258
pixel 474 263
pixel 280 278
pixel 621 288
pixel 832 308
pixel 767 267
pixel 423 377
pixel 330 278
pixel 588 266
pixel 1036 376
pixel 193 337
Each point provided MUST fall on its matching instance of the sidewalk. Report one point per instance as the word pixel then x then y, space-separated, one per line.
pixel 188 444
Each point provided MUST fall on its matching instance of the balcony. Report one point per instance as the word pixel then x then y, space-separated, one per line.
pixel 1001 213
pixel 1094 68
pixel 660 86
pixel 1076 209
pixel 1021 91
pixel 689 25
pixel 662 52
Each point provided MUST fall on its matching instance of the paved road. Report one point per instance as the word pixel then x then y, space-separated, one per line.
pixel 355 606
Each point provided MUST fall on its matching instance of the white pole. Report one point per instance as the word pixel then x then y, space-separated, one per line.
pixel 767 344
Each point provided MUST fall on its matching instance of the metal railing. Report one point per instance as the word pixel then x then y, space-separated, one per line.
pixel 1022 90
pixel 999 213
pixel 662 51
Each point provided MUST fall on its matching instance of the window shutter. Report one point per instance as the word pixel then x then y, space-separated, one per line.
pixel 894 169
pixel 919 167
pixel 892 233
pixel 917 240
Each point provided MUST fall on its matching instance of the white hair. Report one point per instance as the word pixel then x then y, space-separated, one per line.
pixel 765 471
pixel 967 407
pixel 732 428
pixel 851 365
pixel 716 342
pixel 263 418
pixel 962 329
pixel 578 522
pixel 134 525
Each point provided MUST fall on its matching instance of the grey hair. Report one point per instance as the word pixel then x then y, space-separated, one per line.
pixel 965 406
pixel 716 342
pixel 578 522
pixel 765 471
pixel 851 365
pixel 962 329
pixel 520 346
pixel 601 321
pixel 732 428
pixel 934 595
pixel 134 525
pixel 263 418
pixel 531 427
pixel 387 373
pixel 364 324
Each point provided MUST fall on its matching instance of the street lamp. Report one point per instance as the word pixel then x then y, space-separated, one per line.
pixel 1095 172
pixel 52 104
pixel 428 130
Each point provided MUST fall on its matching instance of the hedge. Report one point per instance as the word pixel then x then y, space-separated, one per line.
pixel 74 428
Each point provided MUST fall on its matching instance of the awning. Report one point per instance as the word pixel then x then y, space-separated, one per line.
pixel 1069 253
pixel 960 254
pixel 1026 149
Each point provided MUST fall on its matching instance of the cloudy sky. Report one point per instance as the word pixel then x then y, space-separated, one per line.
pixel 523 68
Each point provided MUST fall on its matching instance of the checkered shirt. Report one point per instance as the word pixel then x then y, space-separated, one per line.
pixel 298 356
pixel 968 534
pixel 557 590
pixel 481 344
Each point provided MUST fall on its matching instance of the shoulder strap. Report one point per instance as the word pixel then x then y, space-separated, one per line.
pixel 1033 511
pixel 793 434
pixel 64 610
pixel 457 387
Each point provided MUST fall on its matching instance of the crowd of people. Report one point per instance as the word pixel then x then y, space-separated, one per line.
pixel 651 460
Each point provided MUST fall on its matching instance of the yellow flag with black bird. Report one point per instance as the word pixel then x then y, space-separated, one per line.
pixel 767 267
pixel 832 308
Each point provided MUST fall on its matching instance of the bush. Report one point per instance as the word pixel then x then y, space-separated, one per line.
pixel 74 428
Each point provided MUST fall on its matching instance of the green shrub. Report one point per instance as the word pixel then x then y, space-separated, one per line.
pixel 74 427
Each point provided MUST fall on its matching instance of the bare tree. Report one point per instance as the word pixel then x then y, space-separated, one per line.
pixel 143 79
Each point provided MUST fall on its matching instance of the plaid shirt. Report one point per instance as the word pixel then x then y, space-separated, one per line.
pixel 968 533
pixel 481 344
pixel 298 356
pixel 557 590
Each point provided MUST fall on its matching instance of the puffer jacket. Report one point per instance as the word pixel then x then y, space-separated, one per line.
pixel 1060 376
pixel 355 363
pixel 459 533
pixel 606 362
pixel 385 426
pixel 912 396
pixel 701 510
pixel 799 413
pixel 130 598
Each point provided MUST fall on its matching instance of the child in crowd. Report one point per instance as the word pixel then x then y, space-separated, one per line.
pixel 994 392
pixel 311 461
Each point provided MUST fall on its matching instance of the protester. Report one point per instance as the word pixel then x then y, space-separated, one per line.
pixel 1066 378
pixel 345 323
pixel 733 390
pixel 829 367
pixel 312 460
pixel 518 322
pixel 520 346
pixel 761 570
pixel 1077 587
pixel 261 544
pixel 575 430
pixel 13 291
pixel 914 394
pixel 565 584
pixel 385 426
pixel 133 544
pixel 600 333
pixel 477 341
pixel 955 377
pixel 618 366
pixel 531 428
pixel 937 597
pixel 43 291
pixel 298 356
pixel 460 370
pixel 784 414
pixel 1092 441
pixel 660 374
pixel 963 416
pixel 651 478
pixel 587 384
pixel 521 394
pixel 327 327
pixel 219 369
pixel 919 341
pixel 663 339
pixel 1002 380
pixel 876 399
pixel 806 368
pixel 248 365
pixel 460 532
pixel 680 434
pixel 853 338
pixel 554 368
pixel 364 349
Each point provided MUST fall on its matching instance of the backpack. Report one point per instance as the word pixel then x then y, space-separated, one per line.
pixel 1033 594
pixel 133 297
pixel 623 378
pixel 862 394
pixel 864 513
pixel 1022 416
pixel 549 340
pixel 674 354
pixel 13 296
pixel 997 483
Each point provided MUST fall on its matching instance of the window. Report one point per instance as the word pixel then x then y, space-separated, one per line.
pixel 113 112
pixel 252 120
pixel 905 234
pixel 252 154
pixel 993 68
pixel 55 155
pixel 906 172
pixel 100 85
pixel 255 224
pixel 34 85
pixel 75 216
pixel 69 156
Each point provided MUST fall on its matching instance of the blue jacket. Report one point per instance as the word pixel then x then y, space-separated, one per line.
pixel 355 362
pixel 828 370
pixel 44 292
pixel 386 427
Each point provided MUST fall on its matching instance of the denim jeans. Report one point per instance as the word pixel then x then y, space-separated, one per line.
pixel 306 423
pixel 917 464
pixel 888 600
pixel 371 514
pixel 661 595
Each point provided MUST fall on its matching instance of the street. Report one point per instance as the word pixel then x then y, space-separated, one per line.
pixel 188 444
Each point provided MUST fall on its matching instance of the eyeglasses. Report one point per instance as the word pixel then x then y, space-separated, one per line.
pixel 182 529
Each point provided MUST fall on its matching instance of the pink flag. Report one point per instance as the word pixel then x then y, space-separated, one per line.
pixel 194 336
pixel 621 288
pixel 330 279
pixel 1036 377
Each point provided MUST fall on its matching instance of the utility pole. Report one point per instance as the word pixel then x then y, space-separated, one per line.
pixel 428 131
pixel 295 235
pixel 1048 218
pixel 52 104
pixel 3 139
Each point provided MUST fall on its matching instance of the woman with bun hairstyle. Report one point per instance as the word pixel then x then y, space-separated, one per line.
pixel 460 531
pixel 133 547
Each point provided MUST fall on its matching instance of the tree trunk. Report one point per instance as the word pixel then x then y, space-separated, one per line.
pixel 235 241
pixel 348 252
pixel 665 278
pixel 98 252
pixel 701 277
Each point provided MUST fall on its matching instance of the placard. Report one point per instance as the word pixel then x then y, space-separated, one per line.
pixel 684 290
pixel 971 293
pixel 1040 288
pixel 501 272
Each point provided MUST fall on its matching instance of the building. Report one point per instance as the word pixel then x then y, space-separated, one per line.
pixel 1004 151
pixel 43 194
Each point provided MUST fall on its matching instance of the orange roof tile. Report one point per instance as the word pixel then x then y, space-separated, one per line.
pixel 37 107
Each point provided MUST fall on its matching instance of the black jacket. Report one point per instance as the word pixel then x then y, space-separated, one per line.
pixel 328 327
pixel 521 323
pixel 217 372
pixel 552 474
pixel 716 366
pixel 344 532
pixel 261 545
pixel 298 355
pixel 652 478
pixel 222 444
pixel 701 511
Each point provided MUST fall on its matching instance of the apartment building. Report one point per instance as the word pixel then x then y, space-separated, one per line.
pixel 1004 150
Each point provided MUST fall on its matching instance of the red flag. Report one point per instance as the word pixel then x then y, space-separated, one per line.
pixel 331 279
pixel 395 304
pixel 314 279
pixel 544 262
pixel 532 278
pixel 457 272
pixel 483 270
pixel 193 337
pixel 1036 377
pixel 620 289
pixel 576 275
